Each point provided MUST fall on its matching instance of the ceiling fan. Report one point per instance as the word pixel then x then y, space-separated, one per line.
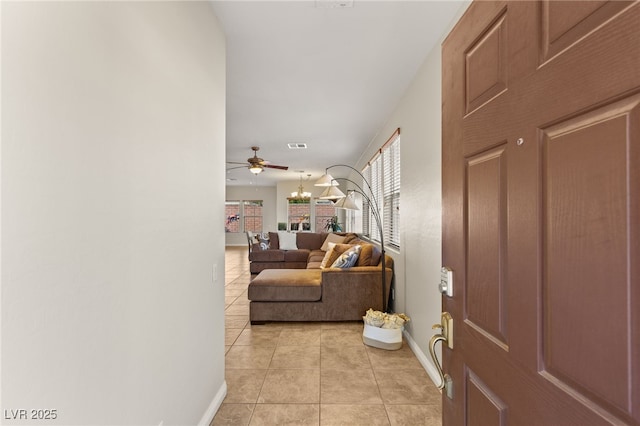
pixel 256 164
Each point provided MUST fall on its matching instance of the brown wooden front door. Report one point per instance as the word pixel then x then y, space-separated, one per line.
pixel 541 213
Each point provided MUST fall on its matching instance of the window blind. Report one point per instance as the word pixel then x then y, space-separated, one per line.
pixel 383 174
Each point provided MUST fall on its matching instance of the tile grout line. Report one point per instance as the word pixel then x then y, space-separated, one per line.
pixel 235 284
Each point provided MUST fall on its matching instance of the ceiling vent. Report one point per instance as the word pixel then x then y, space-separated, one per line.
pixel 334 4
pixel 297 145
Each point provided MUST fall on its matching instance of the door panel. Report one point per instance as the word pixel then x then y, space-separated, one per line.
pixel 486 197
pixel 541 175
pixel 588 195
pixel 563 24
pixel 486 71
pixel 484 407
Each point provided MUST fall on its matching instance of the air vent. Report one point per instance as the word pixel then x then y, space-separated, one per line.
pixel 297 145
pixel 334 4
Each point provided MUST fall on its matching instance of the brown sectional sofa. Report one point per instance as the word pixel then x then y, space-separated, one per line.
pixel 288 288
pixel 306 256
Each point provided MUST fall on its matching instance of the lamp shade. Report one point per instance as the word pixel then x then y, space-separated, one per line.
pixel 346 203
pixel 327 180
pixel 332 193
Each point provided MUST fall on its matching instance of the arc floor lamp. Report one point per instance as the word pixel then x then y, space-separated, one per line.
pixel 345 202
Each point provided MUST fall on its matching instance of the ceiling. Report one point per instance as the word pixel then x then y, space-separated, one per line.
pixel 325 73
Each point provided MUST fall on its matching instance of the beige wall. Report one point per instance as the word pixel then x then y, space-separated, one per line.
pixel 113 128
pixel 418 261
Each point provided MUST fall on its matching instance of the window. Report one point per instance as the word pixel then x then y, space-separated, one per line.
pixel 252 211
pixel 324 212
pixel 243 216
pixel 299 212
pixel 232 216
pixel 383 173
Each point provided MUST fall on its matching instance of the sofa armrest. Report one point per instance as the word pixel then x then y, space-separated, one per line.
pixel 354 289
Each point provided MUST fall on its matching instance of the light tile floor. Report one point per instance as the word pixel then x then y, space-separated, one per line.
pixel 314 373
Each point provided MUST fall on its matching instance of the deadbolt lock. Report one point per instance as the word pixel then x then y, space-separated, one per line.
pixel 446 281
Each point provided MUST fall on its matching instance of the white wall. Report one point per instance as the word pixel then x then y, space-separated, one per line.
pixel 112 161
pixel 264 193
pixel 417 264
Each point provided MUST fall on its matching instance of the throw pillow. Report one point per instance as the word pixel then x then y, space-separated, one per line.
pixel 348 258
pixel 369 255
pixel 263 240
pixel 375 257
pixel 331 238
pixel 334 253
pixel 365 255
pixel 287 241
pixel 351 239
pixel 327 256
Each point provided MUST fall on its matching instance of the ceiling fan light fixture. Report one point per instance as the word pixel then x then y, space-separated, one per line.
pixel 255 169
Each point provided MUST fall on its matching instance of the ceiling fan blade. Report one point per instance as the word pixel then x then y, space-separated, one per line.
pixel 255 162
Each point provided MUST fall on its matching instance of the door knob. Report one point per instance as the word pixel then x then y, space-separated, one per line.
pixel 445 335
pixel 432 345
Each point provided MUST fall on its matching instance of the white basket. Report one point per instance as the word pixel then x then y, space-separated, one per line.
pixel 383 338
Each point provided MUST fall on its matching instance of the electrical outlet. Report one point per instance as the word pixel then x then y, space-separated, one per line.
pixel 214 277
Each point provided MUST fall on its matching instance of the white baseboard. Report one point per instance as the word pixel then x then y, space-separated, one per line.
pixel 427 364
pixel 208 416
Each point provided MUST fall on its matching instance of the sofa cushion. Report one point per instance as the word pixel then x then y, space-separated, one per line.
pixel 286 285
pixel 296 255
pixel 266 256
pixel 315 259
pixel 331 238
pixel 274 242
pixel 310 240
pixel 287 241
